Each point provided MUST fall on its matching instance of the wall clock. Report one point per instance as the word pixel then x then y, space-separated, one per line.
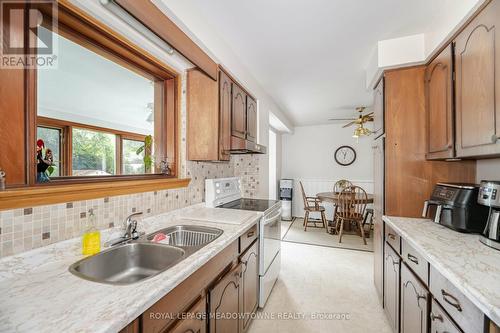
pixel 345 155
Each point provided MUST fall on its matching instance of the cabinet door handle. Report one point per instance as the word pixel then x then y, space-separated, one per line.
pixel 391 236
pixel 250 234
pixel 245 264
pixel 452 300
pixel 436 317
pixel 412 258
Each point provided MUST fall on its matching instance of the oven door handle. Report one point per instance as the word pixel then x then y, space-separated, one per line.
pixel 271 219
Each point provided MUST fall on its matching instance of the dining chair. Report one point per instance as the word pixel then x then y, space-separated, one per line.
pixel 311 205
pixel 341 185
pixel 338 187
pixel 351 209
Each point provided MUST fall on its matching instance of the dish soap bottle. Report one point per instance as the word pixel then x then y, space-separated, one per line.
pixel 91 239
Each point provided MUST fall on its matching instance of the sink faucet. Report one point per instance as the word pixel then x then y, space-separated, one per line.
pixel 131 232
pixel 131 226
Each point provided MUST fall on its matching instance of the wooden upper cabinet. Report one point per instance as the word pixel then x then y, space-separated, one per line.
pixel 202 117
pixel 239 113
pixel 225 100
pixel 251 119
pixel 378 109
pixel 477 60
pixel 439 106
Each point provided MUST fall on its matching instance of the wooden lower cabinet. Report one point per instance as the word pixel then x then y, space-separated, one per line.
pixel 378 253
pixel 249 285
pixel 133 327
pixel 414 303
pixel 224 302
pixel 392 264
pixel 220 297
pixel 440 322
pixel 194 320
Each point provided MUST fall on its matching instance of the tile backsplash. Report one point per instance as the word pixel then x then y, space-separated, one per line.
pixel 32 227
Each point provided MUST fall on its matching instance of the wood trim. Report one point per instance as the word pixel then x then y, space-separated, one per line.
pixel 66 144
pixel 44 121
pixel 76 24
pixel 73 17
pixel 153 18
pixel 53 194
pixel 171 115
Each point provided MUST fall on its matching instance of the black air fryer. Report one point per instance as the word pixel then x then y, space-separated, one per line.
pixel 455 206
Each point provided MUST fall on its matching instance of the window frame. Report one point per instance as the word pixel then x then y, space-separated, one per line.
pixel 87 32
pixel 66 128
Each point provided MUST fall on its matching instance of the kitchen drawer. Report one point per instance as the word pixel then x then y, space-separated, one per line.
pixel 248 237
pixel 440 322
pixel 415 261
pixel 392 238
pixel 464 312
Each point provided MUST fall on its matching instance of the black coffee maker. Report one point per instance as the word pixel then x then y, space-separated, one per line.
pixel 489 196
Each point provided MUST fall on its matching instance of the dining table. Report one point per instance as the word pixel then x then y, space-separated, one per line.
pixel 333 197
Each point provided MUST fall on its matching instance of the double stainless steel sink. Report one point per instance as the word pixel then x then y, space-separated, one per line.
pixel 141 259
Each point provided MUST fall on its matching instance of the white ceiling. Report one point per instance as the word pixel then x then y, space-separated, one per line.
pixel 90 89
pixel 311 55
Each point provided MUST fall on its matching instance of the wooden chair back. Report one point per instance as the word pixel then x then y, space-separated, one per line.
pixel 304 196
pixel 352 203
pixel 341 185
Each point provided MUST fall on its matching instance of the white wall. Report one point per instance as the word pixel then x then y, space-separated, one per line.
pixel 398 51
pixel 488 169
pixel 445 18
pixel 188 18
pixel 308 155
pixel 443 26
pixel 273 166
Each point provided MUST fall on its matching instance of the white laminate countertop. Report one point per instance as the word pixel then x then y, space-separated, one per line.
pixel 39 294
pixel 471 266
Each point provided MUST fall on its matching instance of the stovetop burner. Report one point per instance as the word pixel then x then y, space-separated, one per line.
pixel 257 205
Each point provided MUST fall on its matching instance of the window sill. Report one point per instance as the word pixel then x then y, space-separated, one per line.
pixel 54 194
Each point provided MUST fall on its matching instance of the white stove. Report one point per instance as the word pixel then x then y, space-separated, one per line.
pixel 226 193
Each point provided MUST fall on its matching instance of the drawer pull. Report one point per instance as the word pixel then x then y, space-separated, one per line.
pixel 436 317
pixel 452 300
pixel 391 236
pixel 412 258
pixel 250 234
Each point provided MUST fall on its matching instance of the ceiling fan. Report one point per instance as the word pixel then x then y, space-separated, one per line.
pixel 362 118
pixel 359 122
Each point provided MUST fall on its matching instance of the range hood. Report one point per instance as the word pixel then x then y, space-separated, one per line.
pixel 242 146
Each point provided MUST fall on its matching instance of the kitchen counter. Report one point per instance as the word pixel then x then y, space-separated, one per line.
pixel 39 294
pixel 470 265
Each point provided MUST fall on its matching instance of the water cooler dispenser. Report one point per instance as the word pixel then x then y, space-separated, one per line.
pixel 286 191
